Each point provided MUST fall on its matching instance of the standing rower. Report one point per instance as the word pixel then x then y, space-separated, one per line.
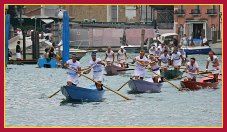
pixel 192 69
pixel 74 69
pixel 96 65
pixel 164 60
pixel 153 65
pixel 140 66
pixel 176 59
pixel 215 65
pixel 122 57
pixel 109 56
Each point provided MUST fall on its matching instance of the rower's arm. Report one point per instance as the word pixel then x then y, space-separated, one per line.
pixel 66 64
pixel 216 63
pixel 105 57
pixel 113 57
pixel 207 64
pixel 134 60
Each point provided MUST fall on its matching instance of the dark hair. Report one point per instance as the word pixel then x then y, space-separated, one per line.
pixel 46 50
pixel 193 58
pixel 142 51
pixel 212 52
pixel 165 50
pixel 18 42
pixel 53 44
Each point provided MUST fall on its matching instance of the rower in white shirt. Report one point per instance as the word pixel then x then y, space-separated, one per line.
pixel 140 65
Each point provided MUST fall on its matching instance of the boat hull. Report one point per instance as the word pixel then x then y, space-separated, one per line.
pixel 43 62
pixel 114 70
pixel 76 93
pixel 172 74
pixel 141 86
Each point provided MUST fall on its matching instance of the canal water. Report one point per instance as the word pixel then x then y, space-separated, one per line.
pixel 27 103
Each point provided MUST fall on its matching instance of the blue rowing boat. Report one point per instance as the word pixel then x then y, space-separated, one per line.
pixel 76 93
pixel 141 86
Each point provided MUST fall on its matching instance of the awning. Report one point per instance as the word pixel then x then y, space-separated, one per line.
pixel 47 21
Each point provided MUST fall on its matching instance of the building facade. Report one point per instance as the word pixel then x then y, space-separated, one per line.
pixel 198 21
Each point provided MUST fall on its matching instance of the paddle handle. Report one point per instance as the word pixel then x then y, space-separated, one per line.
pixel 123 86
pixel 54 93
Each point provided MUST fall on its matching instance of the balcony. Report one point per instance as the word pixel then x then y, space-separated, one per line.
pixel 212 12
pixel 179 12
pixel 195 12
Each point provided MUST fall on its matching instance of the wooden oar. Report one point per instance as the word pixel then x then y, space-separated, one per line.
pixel 103 86
pixel 123 86
pixel 125 69
pixel 54 93
pixel 167 80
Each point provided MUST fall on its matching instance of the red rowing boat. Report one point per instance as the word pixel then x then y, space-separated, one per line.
pixel 203 83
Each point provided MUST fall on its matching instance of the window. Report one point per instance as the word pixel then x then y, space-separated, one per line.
pixel 114 13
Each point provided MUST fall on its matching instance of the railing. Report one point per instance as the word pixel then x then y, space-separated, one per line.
pixel 179 12
pixel 211 12
pixel 195 11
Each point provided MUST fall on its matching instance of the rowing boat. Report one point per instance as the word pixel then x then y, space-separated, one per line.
pixel 172 74
pixel 141 86
pixel 205 82
pixel 76 93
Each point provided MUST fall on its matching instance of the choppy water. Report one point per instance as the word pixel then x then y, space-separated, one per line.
pixel 27 102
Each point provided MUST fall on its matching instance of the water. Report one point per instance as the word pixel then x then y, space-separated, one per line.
pixel 27 102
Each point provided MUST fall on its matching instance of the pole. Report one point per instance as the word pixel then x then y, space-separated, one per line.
pixel 146 13
pixel 7 38
pixel 142 38
pixel 35 23
pixel 24 44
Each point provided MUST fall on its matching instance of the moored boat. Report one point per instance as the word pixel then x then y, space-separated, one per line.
pixel 172 74
pixel 76 93
pixel 48 63
pixel 203 83
pixel 141 86
pixel 196 49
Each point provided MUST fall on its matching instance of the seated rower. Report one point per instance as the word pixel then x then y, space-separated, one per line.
pixel 192 69
pixel 140 66
pixel 74 69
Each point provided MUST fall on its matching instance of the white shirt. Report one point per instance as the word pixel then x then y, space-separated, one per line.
pixel 74 66
pixel 121 55
pixel 214 59
pixel 154 67
pixel 96 67
pixel 164 59
pixel 109 55
pixel 152 50
pixel 192 68
pixel 204 40
pixel 138 66
pixel 176 56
